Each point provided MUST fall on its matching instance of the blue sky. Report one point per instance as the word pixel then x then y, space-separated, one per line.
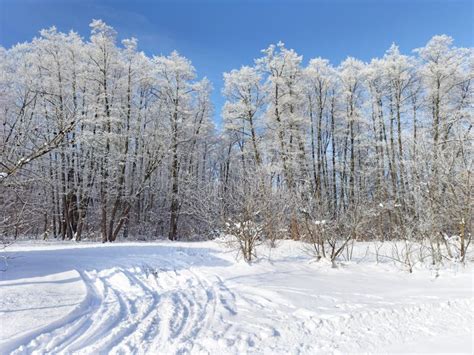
pixel 221 35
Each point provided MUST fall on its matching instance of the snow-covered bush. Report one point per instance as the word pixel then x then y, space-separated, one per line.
pixel 244 236
pixel 330 238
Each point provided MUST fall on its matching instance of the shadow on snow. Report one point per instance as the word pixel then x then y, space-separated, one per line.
pixel 38 263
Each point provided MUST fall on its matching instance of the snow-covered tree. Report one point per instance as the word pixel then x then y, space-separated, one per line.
pixel 245 100
pixel 99 140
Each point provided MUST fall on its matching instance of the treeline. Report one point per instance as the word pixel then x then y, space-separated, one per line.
pixel 127 138
pixel 100 140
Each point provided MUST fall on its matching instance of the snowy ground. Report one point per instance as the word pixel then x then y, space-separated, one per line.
pixel 195 298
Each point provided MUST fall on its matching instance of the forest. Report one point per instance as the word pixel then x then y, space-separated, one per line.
pixel 100 141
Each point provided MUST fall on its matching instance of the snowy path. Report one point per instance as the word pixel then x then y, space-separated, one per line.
pixel 194 298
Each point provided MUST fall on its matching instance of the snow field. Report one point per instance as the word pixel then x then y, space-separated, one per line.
pixel 179 298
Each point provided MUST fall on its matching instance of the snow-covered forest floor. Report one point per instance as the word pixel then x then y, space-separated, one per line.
pixel 169 297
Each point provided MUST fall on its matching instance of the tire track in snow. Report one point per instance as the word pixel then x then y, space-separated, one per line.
pixel 107 311
pixel 113 309
pixel 189 306
pixel 128 310
pixel 104 323
pixel 138 331
pixel 43 338
pixel 80 326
